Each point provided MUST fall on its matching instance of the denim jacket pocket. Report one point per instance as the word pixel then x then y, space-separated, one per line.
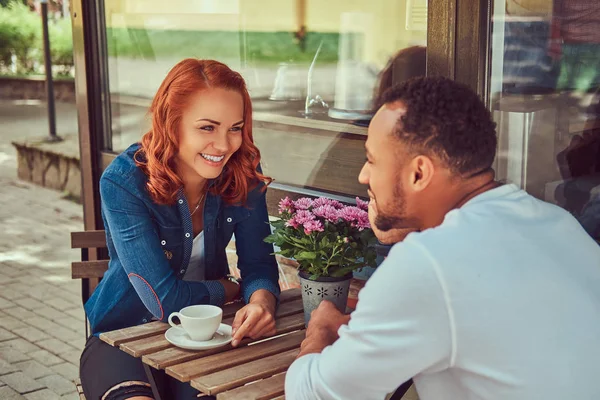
pixel 231 217
pixel 171 242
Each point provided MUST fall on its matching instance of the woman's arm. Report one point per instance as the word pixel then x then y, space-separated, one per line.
pixel 256 261
pixel 260 275
pixel 139 250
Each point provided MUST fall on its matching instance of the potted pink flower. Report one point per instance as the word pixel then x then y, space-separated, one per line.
pixel 329 240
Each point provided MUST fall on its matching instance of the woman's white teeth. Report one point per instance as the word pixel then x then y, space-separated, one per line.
pixel 213 158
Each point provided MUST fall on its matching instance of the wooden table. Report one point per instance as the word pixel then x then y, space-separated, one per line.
pixel 254 370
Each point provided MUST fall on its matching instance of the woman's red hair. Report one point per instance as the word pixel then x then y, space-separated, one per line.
pixel 159 146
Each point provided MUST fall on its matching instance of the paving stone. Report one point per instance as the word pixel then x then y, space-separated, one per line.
pixel 67 370
pixel 6 393
pixel 6 368
pixel 45 357
pixel 71 323
pixel 41 323
pixel 55 346
pixel 79 342
pixel 9 322
pixel 6 335
pixel 20 344
pixel 42 294
pixel 77 313
pixel 19 287
pixel 19 313
pixel 29 304
pixel 44 394
pixel 13 356
pixel 11 293
pixel 72 356
pixel 4 303
pixel 70 396
pixel 9 270
pixel 30 279
pixel 64 334
pixel 4 279
pixel 59 304
pixel 48 312
pixel 31 334
pixel 57 384
pixel 34 369
pixel 73 298
pixel 21 383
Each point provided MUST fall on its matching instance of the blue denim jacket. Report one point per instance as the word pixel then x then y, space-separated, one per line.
pixel 150 246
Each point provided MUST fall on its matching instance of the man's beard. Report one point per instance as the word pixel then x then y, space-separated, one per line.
pixel 397 218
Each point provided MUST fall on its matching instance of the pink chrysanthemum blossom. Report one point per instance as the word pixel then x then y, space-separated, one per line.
pixel 328 212
pixel 324 201
pixel 292 223
pixel 363 205
pixel 304 216
pixel 286 205
pixel 350 213
pixel 312 226
pixel 362 222
pixel 303 204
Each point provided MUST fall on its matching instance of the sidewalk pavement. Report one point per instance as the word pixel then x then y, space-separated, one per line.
pixel 42 327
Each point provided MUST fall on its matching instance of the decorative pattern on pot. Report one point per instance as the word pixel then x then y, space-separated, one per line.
pixel 334 290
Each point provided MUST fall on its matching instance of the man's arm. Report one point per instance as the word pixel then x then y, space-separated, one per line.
pixel 401 328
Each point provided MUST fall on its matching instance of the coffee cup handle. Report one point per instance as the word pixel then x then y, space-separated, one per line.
pixel 173 324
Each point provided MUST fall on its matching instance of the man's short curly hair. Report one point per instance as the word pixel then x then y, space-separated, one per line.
pixel 446 119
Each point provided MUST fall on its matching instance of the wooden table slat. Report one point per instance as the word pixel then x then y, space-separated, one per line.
pixel 148 345
pixel 289 308
pixel 116 338
pixel 245 373
pixel 186 371
pixel 289 295
pixel 262 390
pixel 175 355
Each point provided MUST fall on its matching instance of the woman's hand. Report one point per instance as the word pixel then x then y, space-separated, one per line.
pixel 232 289
pixel 256 319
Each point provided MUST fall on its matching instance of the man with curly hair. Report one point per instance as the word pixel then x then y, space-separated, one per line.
pixel 492 295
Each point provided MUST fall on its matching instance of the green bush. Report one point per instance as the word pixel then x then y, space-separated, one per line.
pixel 61 45
pixel 256 47
pixel 21 38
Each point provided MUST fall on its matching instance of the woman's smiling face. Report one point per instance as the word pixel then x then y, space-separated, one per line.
pixel 210 132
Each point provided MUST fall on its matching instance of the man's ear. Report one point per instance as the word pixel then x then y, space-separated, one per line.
pixel 421 173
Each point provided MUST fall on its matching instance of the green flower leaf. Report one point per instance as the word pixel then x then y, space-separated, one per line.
pixel 306 255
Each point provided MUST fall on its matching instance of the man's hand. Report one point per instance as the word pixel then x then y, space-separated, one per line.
pixel 256 319
pixel 322 329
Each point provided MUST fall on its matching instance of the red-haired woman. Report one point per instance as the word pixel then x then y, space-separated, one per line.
pixel 170 206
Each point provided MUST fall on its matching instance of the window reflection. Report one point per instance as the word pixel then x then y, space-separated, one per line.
pixel 313 70
pixel 545 95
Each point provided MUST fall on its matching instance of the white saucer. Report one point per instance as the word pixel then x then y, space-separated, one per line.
pixel 178 337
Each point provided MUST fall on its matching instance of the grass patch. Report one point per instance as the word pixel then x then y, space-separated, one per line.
pixel 259 47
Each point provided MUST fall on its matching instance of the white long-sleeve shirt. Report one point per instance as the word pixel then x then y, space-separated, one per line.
pixel 500 302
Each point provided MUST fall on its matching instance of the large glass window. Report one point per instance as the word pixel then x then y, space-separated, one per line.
pixel 314 70
pixel 546 99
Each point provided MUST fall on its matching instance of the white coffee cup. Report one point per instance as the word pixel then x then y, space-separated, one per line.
pixel 200 322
